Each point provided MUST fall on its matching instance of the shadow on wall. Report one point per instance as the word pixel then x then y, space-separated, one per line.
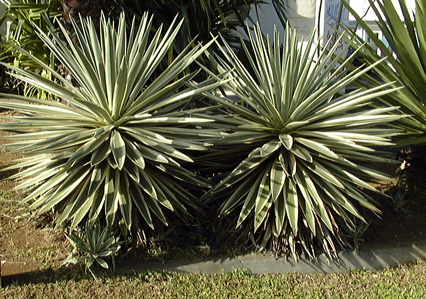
pixel 301 15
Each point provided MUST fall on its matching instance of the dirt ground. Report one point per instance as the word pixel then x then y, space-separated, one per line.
pixel 26 243
pixel 30 244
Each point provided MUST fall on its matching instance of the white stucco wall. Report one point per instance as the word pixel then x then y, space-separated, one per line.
pixel 267 17
pixel 302 12
pixel 362 7
pixel 307 15
pixel 304 15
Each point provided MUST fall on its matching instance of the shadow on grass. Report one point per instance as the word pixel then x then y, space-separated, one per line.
pixel 50 275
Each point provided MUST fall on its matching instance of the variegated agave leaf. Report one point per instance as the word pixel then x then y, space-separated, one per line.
pixel 405 53
pixel 114 145
pixel 305 176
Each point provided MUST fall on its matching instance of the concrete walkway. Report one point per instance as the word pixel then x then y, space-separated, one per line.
pixel 256 263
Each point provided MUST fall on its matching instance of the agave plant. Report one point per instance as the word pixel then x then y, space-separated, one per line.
pixel 93 245
pixel 302 145
pixel 405 65
pixel 113 146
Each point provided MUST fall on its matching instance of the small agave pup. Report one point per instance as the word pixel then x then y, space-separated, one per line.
pixel 301 143
pixel 113 151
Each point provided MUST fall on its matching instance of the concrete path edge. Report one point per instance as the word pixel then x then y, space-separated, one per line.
pixel 366 258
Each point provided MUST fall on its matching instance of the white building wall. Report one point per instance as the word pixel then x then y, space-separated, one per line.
pixel 267 17
pixel 307 15
pixel 302 14
pixel 362 7
pixel 303 11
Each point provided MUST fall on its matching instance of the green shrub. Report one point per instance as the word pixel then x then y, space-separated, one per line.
pixel 21 19
pixel 113 147
pixel 301 145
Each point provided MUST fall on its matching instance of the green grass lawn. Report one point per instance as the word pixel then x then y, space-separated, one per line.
pixel 405 281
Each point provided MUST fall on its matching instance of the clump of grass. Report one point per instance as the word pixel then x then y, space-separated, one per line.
pixel 10 205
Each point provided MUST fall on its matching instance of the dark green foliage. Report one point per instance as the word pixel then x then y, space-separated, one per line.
pixel 25 16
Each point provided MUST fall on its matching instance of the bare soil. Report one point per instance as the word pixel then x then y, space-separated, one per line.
pixel 26 243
